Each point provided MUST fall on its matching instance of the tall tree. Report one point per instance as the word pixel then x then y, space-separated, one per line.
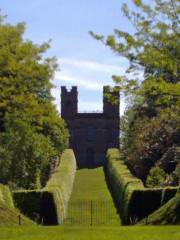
pixel 150 127
pixel 32 134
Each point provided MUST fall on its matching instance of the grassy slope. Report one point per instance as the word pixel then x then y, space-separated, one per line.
pixel 91 233
pixel 9 216
pixel 90 185
pixel 167 214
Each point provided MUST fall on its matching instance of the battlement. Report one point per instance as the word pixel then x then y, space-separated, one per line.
pixel 91 133
pixel 69 102
pixel 64 90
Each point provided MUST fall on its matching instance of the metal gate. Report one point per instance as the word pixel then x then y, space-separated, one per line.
pixel 91 213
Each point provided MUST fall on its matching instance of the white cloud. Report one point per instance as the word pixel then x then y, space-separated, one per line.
pixel 86 83
pixel 90 106
pixel 93 66
pixel 87 75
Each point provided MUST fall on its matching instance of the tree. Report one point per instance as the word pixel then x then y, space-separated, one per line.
pixel 32 134
pixel 151 123
pixel 156 177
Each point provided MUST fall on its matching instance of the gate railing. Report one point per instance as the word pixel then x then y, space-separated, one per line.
pixel 91 213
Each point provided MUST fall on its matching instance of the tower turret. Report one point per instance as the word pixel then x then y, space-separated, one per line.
pixel 69 102
pixel 109 108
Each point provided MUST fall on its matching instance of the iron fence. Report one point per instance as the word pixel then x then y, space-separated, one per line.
pixel 91 213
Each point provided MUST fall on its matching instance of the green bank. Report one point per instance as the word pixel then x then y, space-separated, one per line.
pixel 91 233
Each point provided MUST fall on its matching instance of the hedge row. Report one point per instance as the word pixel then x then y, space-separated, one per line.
pixel 29 202
pixel 5 196
pixel 9 215
pixel 132 199
pixel 49 205
pixel 168 214
pixel 60 184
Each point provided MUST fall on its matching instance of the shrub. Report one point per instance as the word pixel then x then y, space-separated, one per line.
pixel 156 177
pixel 29 153
pixel 132 199
pixel 29 202
pixel 122 182
pixel 9 215
pixel 167 214
pixel 50 202
pixel 5 196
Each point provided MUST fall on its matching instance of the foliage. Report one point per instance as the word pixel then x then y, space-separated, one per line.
pixel 167 214
pixel 61 183
pixel 29 202
pixel 8 213
pixel 32 135
pixel 33 151
pixel 177 174
pixel 132 199
pixel 151 124
pixel 5 195
pixel 156 177
pixel 50 203
pixel 119 177
pixel 146 141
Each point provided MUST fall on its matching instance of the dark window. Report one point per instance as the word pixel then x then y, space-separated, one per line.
pixel 90 157
pixel 68 103
pixel 90 134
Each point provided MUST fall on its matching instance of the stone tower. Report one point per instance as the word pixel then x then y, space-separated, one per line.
pixel 91 134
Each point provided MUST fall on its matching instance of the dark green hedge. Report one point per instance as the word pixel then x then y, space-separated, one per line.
pixel 29 202
pixel 37 205
pixel 132 199
pixel 9 215
pixel 49 205
pixel 6 196
pixel 168 214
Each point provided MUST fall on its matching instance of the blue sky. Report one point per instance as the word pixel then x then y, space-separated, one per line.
pixel 83 61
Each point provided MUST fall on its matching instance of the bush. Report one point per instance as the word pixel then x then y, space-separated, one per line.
pixel 122 183
pixel 156 177
pixel 167 214
pixel 29 155
pixel 32 134
pixel 50 203
pixel 132 199
pixel 5 196
pixel 29 202
pixel 61 183
pixel 9 215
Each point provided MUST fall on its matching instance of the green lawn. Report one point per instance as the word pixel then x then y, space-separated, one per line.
pixel 91 233
pixel 90 184
pixel 91 195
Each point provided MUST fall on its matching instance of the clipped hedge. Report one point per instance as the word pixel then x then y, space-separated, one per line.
pixel 29 202
pixel 132 199
pixel 51 202
pixel 9 215
pixel 5 195
pixel 167 214
pixel 61 183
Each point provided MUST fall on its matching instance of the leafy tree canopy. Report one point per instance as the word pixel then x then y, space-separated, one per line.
pixel 150 126
pixel 32 135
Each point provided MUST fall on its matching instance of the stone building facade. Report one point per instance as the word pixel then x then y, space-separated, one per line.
pixel 91 134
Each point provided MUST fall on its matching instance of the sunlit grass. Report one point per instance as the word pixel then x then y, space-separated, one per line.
pixel 91 233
